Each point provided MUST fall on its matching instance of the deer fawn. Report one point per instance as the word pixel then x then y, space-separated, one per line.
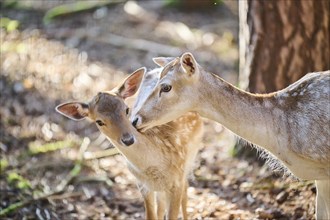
pixel 292 124
pixel 161 158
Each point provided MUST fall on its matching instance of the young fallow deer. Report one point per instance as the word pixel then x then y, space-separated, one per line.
pixel 161 158
pixel 292 124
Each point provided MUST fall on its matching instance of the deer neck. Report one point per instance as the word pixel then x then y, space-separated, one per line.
pixel 137 154
pixel 243 113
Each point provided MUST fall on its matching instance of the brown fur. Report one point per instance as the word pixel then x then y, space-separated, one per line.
pixel 292 125
pixel 160 158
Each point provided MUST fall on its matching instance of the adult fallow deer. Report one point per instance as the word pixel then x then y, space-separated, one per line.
pixel 292 124
pixel 161 158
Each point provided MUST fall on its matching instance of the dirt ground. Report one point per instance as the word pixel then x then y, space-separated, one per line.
pixel 55 168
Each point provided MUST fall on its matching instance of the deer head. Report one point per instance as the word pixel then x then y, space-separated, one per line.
pixel 168 99
pixel 108 110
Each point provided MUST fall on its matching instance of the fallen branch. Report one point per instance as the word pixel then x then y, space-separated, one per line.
pixel 65 195
pixel 46 165
pixel 132 43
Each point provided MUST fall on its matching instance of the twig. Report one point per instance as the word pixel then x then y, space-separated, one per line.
pixel 83 148
pixel 100 154
pixel 95 179
pixel 45 165
pixel 65 195
pixel 77 167
pixel 13 207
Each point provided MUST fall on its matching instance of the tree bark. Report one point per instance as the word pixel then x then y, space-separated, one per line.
pixel 282 40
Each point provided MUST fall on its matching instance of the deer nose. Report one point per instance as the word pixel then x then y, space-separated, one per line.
pixel 135 121
pixel 127 139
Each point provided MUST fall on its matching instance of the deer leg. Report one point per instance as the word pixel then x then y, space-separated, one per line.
pixel 161 205
pixel 175 198
pixel 149 205
pixel 322 199
pixel 184 201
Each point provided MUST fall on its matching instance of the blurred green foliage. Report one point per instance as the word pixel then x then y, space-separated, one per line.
pixel 17 47
pixel 3 164
pixel 192 4
pixel 75 7
pixel 11 208
pixel 35 148
pixel 20 182
pixel 8 24
pixel 233 152
pixel 10 3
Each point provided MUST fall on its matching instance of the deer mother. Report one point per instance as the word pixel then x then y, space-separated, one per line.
pixel 292 125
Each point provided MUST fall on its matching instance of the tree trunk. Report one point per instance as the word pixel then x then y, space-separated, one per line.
pixel 281 41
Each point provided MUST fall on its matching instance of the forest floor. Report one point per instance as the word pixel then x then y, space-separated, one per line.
pixel 54 168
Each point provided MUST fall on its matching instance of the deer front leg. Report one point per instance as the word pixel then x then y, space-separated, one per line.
pixel 184 201
pixel 161 205
pixel 149 205
pixel 175 198
pixel 322 199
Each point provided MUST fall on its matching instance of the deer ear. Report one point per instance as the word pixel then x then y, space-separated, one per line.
pixel 162 61
pixel 188 63
pixel 131 84
pixel 73 110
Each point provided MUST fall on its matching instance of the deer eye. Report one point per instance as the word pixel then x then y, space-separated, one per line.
pixel 127 111
pixel 165 88
pixel 100 123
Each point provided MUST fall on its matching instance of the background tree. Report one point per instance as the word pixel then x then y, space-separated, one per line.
pixel 281 41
